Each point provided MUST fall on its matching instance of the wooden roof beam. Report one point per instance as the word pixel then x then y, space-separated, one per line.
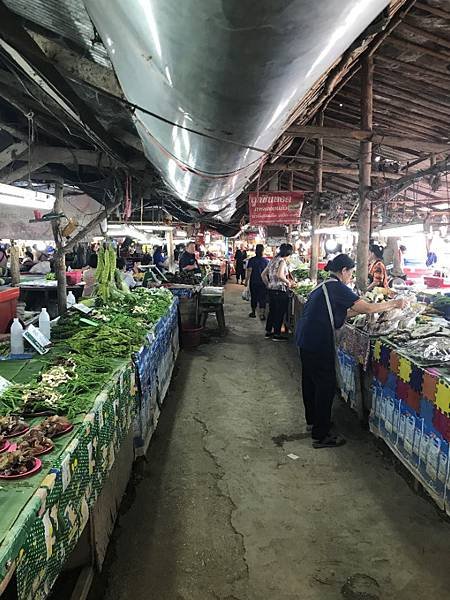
pixel 77 67
pixel 21 48
pixel 407 45
pixel 411 66
pixel 313 132
pixel 302 168
pixel 11 153
pixel 433 10
pixel 428 35
pixel 44 155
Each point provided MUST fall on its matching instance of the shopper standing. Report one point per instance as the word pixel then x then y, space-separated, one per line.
pixel 324 312
pixel 89 276
pixel 276 278
pixel 239 259
pixel 258 290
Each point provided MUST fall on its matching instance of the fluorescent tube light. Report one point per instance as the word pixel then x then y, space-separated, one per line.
pixel 25 198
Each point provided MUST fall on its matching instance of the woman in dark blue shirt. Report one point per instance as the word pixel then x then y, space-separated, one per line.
pixel 258 290
pixel 315 338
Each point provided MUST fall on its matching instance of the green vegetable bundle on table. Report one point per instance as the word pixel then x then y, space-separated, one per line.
pixel 110 283
pixel 84 356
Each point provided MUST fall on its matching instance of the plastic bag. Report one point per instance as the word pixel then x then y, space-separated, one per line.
pixel 246 295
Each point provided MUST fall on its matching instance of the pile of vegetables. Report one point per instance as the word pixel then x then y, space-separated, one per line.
pixel 84 355
pixel 182 277
pixel 304 289
pixel 442 305
pixel 302 273
pixel 110 283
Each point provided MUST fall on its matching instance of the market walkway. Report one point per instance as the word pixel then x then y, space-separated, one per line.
pixel 223 512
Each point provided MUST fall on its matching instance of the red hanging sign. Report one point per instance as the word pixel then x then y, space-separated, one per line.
pixel 275 208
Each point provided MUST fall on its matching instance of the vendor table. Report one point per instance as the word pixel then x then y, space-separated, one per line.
pixel 43 517
pixel 41 293
pixel 406 403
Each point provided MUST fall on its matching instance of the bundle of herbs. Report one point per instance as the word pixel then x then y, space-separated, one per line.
pixel 85 355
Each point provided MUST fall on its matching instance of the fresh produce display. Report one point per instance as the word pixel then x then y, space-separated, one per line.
pixel 304 289
pixel 391 321
pixel 183 278
pixel 35 442
pixel 54 426
pixel 442 305
pixel 84 355
pixel 429 351
pixel 12 426
pixel 16 463
pixel 50 277
pixel 302 273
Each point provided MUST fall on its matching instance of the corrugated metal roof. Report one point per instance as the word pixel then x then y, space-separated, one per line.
pixel 66 18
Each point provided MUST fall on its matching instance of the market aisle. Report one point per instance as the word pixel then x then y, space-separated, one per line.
pixel 221 510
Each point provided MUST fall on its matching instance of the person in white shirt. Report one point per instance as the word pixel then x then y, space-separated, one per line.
pixel 42 267
pixel 127 276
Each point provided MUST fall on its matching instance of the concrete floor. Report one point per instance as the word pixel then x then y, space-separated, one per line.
pixel 221 511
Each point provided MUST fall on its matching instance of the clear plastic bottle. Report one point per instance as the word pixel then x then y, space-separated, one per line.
pixel 71 300
pixel 44 323
pixel 16 337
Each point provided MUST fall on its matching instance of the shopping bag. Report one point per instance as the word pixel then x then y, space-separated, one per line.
pixel 246 295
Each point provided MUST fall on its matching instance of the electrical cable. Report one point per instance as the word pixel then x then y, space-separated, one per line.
pixel 134 107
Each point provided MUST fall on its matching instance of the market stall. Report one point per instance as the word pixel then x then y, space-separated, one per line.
pixel 72 416
pixel 395 372
pixel 411 408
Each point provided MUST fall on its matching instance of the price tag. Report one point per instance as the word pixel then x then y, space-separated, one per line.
pixel 89 322
pixel 66 474
pixel 82 308
pixel 36 339
pixel 4 384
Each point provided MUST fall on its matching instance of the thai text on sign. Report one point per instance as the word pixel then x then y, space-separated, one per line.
pixel 275 208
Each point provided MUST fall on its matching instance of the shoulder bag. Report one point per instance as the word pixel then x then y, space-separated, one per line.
pixel 339 378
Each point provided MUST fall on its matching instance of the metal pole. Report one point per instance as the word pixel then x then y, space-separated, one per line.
pixel 315 219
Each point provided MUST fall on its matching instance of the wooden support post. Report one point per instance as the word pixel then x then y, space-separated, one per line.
pixel 315 220
pixel 60 256
pixel 14 264
pixel 365 169
pixel 170 250
pixel 289 227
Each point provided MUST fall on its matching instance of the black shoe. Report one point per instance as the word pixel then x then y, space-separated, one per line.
pixel 331 441
pixel 263 317
pixel 280 338
pixel 252 315
pixel 268 335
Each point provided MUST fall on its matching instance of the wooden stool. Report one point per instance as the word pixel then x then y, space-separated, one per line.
pixel 215 308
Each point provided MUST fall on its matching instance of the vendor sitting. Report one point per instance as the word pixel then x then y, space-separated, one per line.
pixel 188 262
pixel 27 262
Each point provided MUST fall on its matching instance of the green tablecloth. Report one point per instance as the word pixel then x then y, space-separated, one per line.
pixel 41 518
